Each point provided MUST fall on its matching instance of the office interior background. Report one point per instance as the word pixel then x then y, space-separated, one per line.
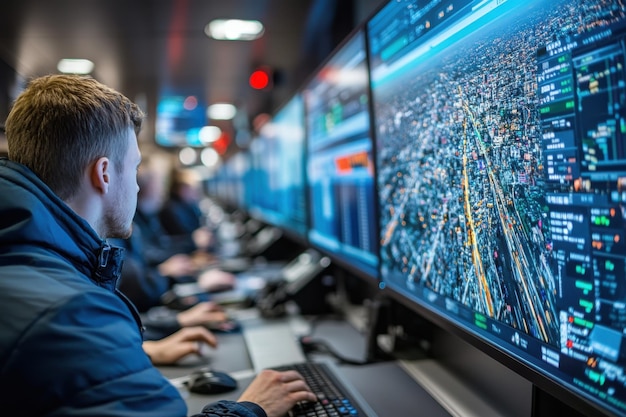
pixel 461 163
pixel 155 51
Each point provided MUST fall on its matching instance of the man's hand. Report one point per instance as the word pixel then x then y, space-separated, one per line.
pixel 277 392
pixel 216 280
pixel 186 341
pixel 179 265
pixel 201 315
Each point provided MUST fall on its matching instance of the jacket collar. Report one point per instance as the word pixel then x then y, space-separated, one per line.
pixel 108 268
pixel 34 216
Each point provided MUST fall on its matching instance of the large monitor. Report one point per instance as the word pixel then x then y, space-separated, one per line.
pixel 276 180
pixel 228 184
pixel 340 162
pixel 501 168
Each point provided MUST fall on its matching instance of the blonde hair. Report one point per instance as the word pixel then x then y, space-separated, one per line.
pixel 62 123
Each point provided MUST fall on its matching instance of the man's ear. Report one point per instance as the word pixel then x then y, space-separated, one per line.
pixel 100 175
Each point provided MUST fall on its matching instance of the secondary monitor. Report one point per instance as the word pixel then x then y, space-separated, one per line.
pixel 276 181
pixel 501 167
pixel 340 162
pixel 228 184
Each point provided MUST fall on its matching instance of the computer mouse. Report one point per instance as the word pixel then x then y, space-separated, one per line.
pixel 207 381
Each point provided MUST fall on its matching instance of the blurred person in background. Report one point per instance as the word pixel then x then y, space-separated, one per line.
pixel 180 214
pixel 155 262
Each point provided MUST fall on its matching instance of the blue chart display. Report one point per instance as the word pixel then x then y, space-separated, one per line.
pixel 340 160
pixel 276 179
pixel 501 168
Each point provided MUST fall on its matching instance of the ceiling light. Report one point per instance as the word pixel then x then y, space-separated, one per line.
pixel 187 156
pixel 209 134
pixel 75 66
pixel 234 29
pixel 209 157
pixel 221 111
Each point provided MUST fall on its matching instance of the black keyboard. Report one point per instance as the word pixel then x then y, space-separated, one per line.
pixel 332 395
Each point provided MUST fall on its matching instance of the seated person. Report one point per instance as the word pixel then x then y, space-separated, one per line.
pixel 146 286
pixel 71 342
pixel 159 244
pixel 145 283
pixel 180 214
pixel 154 263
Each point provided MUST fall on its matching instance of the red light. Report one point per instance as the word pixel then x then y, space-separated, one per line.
pixel 259 79
pixel 221 144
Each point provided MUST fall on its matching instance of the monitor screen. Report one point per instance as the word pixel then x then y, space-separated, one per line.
pixel 340 163
pixel 179 120
pixel 276 181
pixel 501 168
pixel 228 183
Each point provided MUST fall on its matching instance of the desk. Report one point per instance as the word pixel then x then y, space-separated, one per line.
pixel 231 356
pixel 385 386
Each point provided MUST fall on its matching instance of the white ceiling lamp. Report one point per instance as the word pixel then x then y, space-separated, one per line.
pixel 75 66
pixel 209 134
pixel 187 156
pixel 234 29
pixel 209 157
pixel 221 111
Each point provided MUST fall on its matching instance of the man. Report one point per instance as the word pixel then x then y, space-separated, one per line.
pixel 70 343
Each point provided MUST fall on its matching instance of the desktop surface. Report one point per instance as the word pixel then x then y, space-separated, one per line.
pixel 384 387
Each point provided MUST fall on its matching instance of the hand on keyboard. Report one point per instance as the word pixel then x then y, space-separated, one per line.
pixel 278 392
pixel 333 397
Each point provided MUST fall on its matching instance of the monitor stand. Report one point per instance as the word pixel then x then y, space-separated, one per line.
pixel 546 405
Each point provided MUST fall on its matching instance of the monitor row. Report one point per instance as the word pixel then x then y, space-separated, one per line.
pixel 470 156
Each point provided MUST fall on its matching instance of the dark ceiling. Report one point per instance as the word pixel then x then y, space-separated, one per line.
pixel 147 48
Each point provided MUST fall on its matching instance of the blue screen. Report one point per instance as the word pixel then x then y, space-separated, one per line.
pixel 501 168
pixel 228 184
pixel 178 121
pixel 340 161
pixel 276 181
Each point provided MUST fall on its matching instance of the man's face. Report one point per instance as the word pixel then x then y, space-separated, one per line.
pixel 122 203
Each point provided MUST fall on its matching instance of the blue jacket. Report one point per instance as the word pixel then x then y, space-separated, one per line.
pixel 70 343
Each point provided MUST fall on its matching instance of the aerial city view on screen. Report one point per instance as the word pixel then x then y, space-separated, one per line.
pixel 501 152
